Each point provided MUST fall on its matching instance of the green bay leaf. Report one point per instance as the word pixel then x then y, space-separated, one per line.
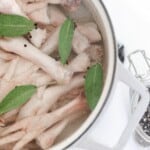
pixel 17 97
pixel 65 40
pixel 14 25
pixel 93 85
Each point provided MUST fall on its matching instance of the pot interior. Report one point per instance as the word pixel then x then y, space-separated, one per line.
pixel 93 11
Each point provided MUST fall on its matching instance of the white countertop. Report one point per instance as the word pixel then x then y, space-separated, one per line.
pixel 131 20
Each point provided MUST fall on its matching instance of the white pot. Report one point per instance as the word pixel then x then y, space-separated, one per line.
pixel 114 72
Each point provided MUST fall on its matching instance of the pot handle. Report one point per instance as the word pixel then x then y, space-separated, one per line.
pixel 126 77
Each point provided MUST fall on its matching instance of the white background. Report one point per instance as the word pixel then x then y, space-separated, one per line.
pixel 131 20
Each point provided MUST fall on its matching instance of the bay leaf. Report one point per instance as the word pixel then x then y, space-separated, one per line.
pixel 14 25
pixel 65 40
pixel 17 97
pixel 93 85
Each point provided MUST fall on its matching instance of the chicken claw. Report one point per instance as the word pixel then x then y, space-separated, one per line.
pixel 34 126
pixel 55 69
pixel 71 5
pixel 12 138
pixel 47 138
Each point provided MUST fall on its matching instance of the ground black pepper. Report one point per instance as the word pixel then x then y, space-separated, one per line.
pixel 36 26
pixel 25 45
pixel 145 121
